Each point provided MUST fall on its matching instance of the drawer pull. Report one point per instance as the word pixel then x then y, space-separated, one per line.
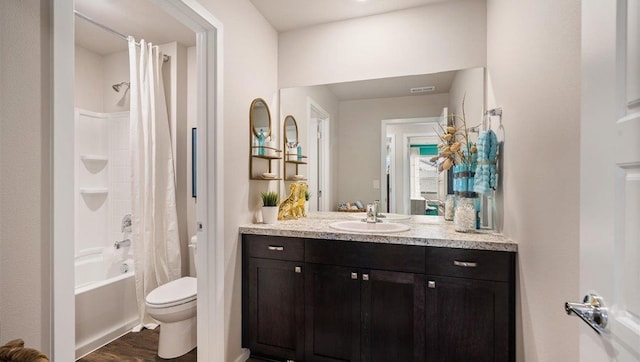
pixel 354 276
pixel 465 264
pixel 365 277
pixel 276 248
pixel 298 269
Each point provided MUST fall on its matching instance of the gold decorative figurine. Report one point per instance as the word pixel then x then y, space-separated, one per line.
pixel 293 206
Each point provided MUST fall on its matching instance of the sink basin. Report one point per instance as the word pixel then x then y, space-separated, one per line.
pixel 361 226
pixel 384 217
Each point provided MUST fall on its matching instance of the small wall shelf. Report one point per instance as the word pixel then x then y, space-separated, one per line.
pixel 294 159
pixel 100 158
pixel 93 190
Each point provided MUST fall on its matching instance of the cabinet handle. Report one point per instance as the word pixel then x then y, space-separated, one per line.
pixel 365 276
pixel 276 248
pixel 298 269
pixel 431 284
pixel 354 276
pixel 465 264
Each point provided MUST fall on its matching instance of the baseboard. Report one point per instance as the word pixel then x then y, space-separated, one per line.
pixel 244 356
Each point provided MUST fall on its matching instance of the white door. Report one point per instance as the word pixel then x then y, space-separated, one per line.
pixel 318 161
pixel 610 177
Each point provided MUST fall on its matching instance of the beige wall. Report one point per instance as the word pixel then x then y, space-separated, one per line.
pixel 116 70
pixel 533 64
pixel 439 37
pixel 294 101
pixel 468 85
pixel 250 71
pixel 24 164
pixel 89 80
pixel 359 139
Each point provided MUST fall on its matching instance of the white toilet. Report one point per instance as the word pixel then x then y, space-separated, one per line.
pixel 174 306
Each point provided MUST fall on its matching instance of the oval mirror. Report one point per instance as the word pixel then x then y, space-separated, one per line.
pixel 290 131
pixel 260 117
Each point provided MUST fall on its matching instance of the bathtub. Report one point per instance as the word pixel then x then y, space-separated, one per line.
pixel 105 297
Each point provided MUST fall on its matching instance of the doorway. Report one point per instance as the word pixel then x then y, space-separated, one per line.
pixel 319 159
pixel 210 207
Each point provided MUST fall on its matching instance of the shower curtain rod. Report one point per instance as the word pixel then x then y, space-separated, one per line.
pixel 165 57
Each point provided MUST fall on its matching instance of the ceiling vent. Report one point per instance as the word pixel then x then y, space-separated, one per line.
pixel 422 89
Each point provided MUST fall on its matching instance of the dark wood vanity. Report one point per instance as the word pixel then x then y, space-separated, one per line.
pixel 308 299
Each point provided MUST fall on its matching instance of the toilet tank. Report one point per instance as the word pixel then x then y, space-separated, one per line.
pixel 193 249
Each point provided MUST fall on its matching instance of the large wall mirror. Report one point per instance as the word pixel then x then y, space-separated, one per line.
pixel 373 138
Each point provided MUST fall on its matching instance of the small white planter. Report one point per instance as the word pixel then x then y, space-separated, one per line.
pixel 269 214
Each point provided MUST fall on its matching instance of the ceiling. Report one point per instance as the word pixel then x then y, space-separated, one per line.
pixel 392 87
pixel 140 18
pixel 285 15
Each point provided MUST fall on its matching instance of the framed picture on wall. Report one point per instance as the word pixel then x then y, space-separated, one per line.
pixel 194 161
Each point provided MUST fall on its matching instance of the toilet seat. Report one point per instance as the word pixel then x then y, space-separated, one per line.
pixel 176 292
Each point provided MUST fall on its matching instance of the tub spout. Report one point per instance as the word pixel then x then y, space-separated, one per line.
pixel 121 243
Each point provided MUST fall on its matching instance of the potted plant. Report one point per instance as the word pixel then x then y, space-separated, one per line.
pixel 270 207
pixel 307 196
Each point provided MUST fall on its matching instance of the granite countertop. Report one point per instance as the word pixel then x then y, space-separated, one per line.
pixel 425 231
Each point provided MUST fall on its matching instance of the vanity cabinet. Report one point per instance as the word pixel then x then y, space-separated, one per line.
pixel 273 297
pixel 364 301
pixel 326 300
pixel 470 305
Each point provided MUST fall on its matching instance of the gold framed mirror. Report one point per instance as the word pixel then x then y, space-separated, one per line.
pixel 260 117
pixel 290 132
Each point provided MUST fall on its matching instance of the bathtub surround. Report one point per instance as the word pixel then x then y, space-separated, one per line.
pixel 154 217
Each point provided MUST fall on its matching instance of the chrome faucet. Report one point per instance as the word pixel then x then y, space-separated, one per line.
pixel 372 213
pixel 121 243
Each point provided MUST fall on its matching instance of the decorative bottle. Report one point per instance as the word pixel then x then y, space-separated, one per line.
pixel 261 140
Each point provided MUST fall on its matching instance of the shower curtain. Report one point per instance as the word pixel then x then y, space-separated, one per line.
pixel 154 234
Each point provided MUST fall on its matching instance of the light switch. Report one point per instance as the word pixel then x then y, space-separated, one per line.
pixel 376 184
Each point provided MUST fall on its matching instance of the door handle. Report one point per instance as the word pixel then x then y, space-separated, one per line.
pixel 275 248
pixel 592 311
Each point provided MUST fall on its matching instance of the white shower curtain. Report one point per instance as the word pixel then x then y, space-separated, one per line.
pixel 154 234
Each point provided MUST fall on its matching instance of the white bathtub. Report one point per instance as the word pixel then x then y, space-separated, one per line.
pixel 106 305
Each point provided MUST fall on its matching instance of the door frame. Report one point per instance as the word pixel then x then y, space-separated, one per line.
pixel 324 125
pixel 383 149
pixel 209 30
pixel 406 167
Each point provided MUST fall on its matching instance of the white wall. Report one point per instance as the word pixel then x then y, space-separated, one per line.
pixel 250 71
pixel 24 166
pixel 359 137
pixel 439 37
pixel 533 59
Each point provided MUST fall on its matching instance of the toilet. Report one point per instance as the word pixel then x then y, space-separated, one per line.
pixel 173 305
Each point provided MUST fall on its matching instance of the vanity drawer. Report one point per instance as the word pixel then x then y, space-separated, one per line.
pixel 474 264
pixel 269 247
pixel 404 258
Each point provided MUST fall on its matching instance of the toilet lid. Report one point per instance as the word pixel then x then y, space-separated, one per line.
pixel 176 292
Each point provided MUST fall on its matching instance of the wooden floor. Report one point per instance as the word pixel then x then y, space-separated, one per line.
pixel 142 346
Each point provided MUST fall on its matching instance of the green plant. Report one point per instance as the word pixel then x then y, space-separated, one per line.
pixel 270 198
pixel 307 195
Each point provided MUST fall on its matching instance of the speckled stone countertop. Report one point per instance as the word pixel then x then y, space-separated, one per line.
pixel 425 231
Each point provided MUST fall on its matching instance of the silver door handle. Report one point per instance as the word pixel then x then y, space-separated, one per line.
pixel 275 248
pixel 592 311
pixel 465 264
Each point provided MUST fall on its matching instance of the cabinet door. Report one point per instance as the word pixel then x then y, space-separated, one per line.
pixel 332 307
pixel 276 308
pixel 393 316
pixel 467 320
